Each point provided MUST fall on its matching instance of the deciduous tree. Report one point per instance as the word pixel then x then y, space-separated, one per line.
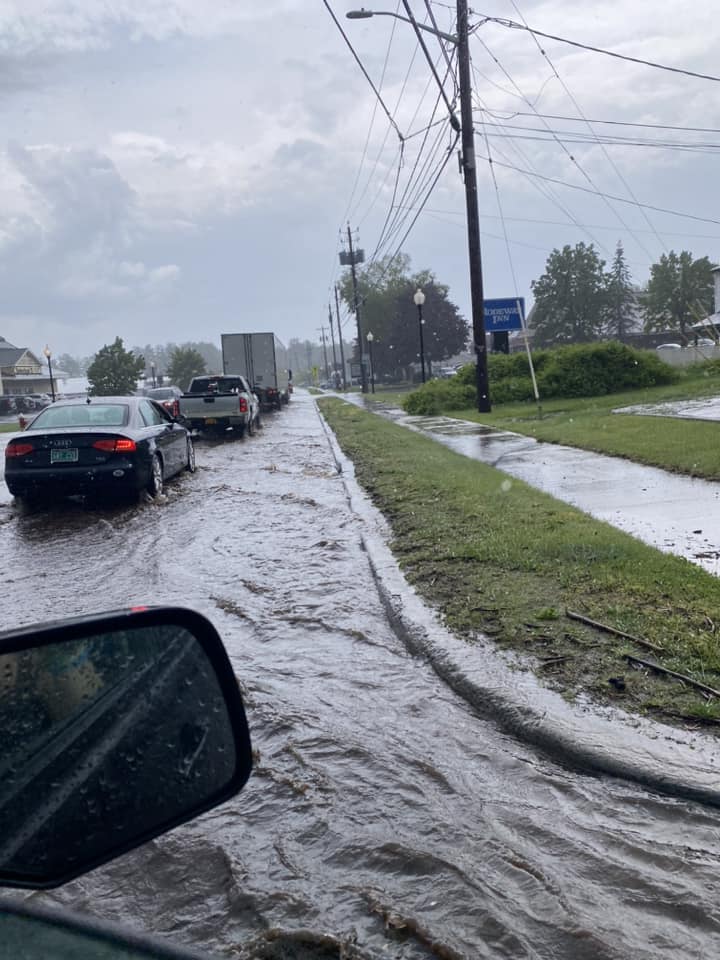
pixel 570 297
pixel 114 371
pixel 679 292
pixel 185 363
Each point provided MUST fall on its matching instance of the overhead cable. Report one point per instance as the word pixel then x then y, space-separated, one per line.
pixel 503 22
pixel 577 186
pixel 364 71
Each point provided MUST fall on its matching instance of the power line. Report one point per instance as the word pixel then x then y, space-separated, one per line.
pixel 364 71
pixel 615 123
pixel 372 124
pixel 548 193
pixel 576 186
pixel 570 156
pixel 607 156
pixel 584 46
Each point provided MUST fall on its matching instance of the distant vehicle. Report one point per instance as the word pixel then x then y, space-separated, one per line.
pixel 263 360
pixel 111 446
pixel 169 397
pixel 215 404
pixel 7 405
pixel 669 346
pixel 705 342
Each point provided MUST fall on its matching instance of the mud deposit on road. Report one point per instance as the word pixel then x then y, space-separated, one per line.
pixel 384 818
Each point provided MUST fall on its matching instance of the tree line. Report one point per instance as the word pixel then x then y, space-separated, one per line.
pixel 577 300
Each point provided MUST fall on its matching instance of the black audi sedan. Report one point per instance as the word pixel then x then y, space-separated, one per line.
pixel 100 446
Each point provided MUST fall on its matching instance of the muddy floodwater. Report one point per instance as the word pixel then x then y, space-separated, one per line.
pixel 384 817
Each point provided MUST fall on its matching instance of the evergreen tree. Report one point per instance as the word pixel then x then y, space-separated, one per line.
pixel 620 297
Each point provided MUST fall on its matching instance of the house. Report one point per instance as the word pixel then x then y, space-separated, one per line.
pixel 710 326
pixel 22 372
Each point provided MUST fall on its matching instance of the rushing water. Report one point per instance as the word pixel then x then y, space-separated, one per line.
pixel 384 817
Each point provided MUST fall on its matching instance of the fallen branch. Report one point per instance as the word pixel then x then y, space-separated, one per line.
pixel 618 633
pixel 672 673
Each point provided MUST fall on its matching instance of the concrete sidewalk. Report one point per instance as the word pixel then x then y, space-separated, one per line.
pixel 674 513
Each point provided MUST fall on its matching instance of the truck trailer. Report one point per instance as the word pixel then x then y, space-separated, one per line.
pixel 263 360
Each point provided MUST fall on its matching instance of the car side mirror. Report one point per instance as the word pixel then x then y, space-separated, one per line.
pixel 113 730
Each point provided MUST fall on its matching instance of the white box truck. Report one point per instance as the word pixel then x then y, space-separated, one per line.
pixel 263 361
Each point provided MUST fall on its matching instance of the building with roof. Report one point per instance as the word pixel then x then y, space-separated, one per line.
pixel 22 372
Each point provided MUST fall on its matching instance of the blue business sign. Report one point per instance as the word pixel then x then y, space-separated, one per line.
pixel 504 314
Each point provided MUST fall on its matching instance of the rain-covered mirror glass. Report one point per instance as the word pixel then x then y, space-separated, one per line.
pixel 102 741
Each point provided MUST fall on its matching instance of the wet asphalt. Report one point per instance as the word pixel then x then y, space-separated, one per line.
pixel 387 816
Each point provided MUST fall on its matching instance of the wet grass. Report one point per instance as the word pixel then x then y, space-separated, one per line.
pixel 9 427
pixel 680 445
pixel 497 557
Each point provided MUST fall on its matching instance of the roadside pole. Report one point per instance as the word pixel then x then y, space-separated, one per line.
pixel 332 338
pixel 469 170
pixel 340 337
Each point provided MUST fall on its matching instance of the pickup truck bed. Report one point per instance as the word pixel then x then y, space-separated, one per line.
pixel 216 404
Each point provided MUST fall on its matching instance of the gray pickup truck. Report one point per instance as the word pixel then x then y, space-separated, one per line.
pixel 215 404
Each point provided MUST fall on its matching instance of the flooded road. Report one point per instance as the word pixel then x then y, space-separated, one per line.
pixel 385 818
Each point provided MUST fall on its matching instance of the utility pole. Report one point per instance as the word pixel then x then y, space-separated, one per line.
pixel 342 348
pixel 356 301
pixel 332 337
pixel 324 345
pixel 471 204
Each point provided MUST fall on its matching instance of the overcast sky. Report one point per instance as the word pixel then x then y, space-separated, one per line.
pixel 175 169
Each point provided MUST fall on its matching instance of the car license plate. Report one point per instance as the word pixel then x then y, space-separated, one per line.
pixel 64 456
pixel 211 420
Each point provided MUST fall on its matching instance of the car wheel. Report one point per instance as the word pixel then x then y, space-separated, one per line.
pixel 190 466
pixel 258 421
pixel 251 427
pixel 155 485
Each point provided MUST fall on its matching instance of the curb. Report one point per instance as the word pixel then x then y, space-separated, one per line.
pixel 589 737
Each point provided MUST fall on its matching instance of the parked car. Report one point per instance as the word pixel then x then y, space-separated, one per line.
pixel 112 446
pixel 41 400
pixel 169 397
pixel 7 405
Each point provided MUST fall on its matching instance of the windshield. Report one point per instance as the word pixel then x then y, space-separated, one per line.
pixel 82 415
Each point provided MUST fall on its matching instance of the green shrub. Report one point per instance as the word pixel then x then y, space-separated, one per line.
pixel 582 370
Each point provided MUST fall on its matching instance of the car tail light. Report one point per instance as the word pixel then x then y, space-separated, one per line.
pixel 243 405
pixel 121 445
pixel 18 449
pixel 176 407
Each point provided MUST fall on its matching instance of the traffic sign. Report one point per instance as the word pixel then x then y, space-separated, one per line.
pixel 504 314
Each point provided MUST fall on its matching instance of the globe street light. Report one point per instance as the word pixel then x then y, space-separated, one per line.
pixel 370 339
pixel 48 356
pixel 419 300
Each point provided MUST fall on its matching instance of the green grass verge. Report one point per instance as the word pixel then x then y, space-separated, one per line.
pixel 9 427
pixel 680 445
pixel 495 556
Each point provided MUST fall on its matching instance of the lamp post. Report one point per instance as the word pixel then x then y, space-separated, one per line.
pixel 48 357
pixel 469 172
pixel 419 300
pixel 370 339
pixel 152 372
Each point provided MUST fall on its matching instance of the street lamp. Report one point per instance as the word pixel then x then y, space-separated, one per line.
pixel 419 300
pixel 370 339
pixel 363 14
pixel 469 172
pixel 48 356
pixel 152 372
